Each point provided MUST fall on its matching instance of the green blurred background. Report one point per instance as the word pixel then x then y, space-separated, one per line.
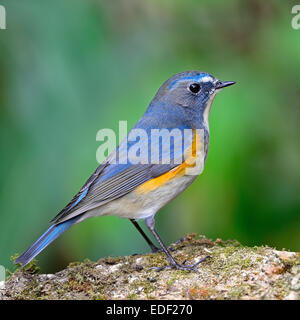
pixel 70 68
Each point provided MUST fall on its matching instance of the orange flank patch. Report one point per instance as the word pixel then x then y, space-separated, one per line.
pixel 177 172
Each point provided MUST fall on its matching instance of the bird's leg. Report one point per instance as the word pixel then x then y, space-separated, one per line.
pixel 153 247
pixel 150 224
pixel 150 243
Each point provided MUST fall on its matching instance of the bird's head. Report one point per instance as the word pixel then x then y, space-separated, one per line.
pixel 193 91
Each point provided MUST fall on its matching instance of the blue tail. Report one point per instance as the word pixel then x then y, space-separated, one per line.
pixel 50 235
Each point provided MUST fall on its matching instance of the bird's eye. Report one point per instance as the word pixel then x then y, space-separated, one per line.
pixel 194 87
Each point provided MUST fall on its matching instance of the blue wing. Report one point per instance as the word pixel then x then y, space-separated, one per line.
pixel 113 179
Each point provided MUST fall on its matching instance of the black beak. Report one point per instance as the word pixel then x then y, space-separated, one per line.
pixel 221 85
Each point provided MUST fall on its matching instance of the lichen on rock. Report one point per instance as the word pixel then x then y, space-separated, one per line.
pixel 231 271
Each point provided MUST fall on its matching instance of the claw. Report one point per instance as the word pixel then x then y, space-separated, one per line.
pixel 157 269
pixel 191 267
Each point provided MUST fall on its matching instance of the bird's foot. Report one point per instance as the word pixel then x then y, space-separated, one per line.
pixel 177 266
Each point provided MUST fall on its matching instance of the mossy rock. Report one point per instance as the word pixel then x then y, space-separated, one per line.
pixel 231 271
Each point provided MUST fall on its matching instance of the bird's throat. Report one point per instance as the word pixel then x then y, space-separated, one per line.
pixel 207 111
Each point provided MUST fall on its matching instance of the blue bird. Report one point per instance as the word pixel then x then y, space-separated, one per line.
pixel 142 175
